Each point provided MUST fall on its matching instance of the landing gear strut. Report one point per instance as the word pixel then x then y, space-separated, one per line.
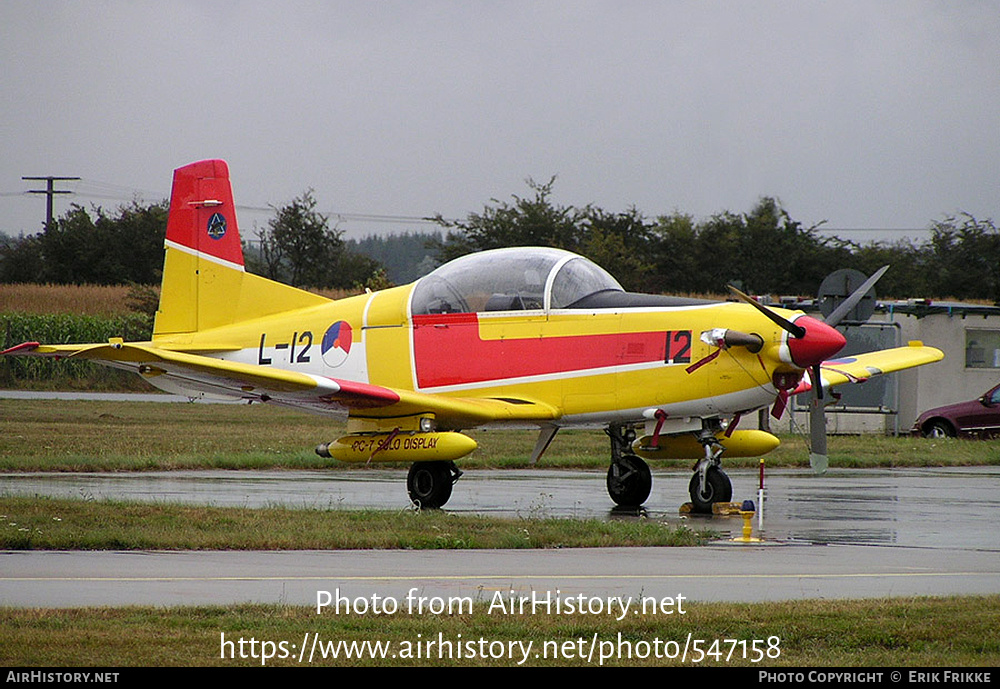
pixel 709 483
pixel 629 480
pixel 429 483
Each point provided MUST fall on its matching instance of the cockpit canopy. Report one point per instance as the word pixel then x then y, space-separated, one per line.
pixel 515 279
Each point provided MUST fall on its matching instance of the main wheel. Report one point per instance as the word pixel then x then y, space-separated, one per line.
pixel 718 488
pixel 629 481
pixel 939 428
pixel 429 484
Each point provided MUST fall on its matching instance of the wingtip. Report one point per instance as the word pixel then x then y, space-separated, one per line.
pixel 22 348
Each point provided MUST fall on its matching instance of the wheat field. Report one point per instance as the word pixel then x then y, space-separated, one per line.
pixel 91 300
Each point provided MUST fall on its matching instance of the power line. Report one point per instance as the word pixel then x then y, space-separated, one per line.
pixel 352 217
pixel 872 229
pixel 50 191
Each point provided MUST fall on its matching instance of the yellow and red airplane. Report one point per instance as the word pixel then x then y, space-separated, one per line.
pixel 535 337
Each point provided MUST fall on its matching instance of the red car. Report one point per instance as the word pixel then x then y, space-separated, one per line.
pixel 978 418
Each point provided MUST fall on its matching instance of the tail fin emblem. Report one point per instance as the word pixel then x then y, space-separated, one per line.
pixel 217 226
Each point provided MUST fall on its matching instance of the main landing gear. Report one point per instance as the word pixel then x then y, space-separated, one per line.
pixel 629 479
pixel 429 483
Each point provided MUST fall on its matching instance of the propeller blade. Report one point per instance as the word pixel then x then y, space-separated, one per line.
pixel 857 295
pixel 783 323
pixel 818 459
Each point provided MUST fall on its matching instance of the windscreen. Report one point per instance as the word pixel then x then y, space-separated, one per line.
pixel 513 279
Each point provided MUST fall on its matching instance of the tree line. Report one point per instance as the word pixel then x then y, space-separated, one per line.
pixel 90 247
pixel 762 250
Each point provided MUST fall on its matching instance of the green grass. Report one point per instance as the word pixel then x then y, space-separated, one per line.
pixel 879 634
pixel 70 435
pixel 67 435
pixel 39 523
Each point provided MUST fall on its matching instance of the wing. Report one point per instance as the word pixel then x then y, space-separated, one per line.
pixel 194 373
pixel 861 367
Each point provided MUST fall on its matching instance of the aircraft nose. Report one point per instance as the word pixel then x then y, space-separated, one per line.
pixel 819 343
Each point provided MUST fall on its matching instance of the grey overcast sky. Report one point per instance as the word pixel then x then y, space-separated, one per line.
pixel 858 113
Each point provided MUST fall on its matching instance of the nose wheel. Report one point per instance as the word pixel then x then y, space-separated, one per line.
pixel 717 488
pixel 709 483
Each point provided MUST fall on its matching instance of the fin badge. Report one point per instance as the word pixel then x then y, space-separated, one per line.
pixel 217 226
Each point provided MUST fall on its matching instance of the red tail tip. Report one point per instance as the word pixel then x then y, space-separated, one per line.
pixel 202 212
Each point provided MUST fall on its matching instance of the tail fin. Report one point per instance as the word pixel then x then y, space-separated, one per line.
pixel 204 282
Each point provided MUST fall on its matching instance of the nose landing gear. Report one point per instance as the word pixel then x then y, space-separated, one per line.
pixel 709 483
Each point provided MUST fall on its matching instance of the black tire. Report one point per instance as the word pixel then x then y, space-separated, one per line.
pixel 629 481
pixel 939 428
pixel 429 484
pixel 718 488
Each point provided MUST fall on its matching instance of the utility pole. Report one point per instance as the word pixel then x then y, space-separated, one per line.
pixel 49 192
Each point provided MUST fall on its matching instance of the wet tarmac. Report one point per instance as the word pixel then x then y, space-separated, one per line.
pixel 922 507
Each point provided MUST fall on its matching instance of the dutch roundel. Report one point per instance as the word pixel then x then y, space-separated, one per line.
pixel 336 343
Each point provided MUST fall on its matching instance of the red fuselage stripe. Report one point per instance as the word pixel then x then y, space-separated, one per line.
pixel 448 350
